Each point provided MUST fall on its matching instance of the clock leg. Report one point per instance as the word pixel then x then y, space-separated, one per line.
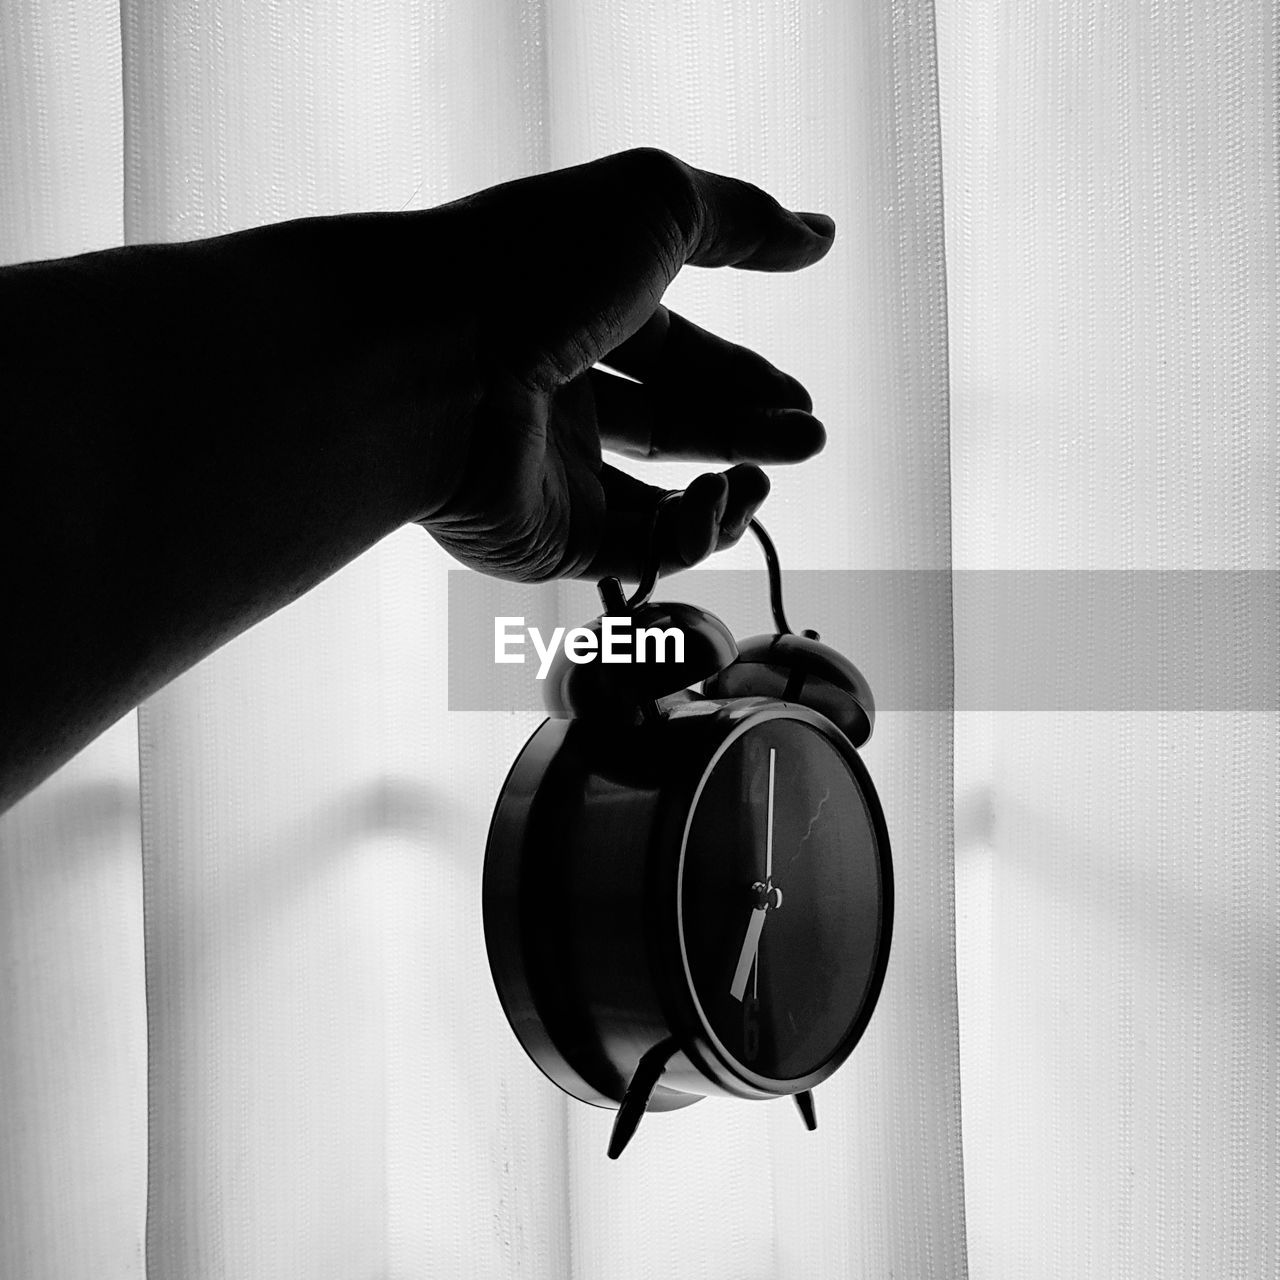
pixel 636 1098
pixel 808 1113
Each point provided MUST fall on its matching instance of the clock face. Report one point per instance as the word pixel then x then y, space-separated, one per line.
pixel 780 899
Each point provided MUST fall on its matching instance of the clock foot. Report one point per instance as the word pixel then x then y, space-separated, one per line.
pixel 635 1100
pixel 808 1113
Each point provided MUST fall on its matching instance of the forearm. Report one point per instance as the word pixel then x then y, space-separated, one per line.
pixel 195 435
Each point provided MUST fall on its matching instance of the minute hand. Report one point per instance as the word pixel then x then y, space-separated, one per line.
pixel 768 831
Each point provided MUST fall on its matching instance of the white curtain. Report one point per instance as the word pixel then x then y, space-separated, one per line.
pixel 246 1023
pixel 1113 228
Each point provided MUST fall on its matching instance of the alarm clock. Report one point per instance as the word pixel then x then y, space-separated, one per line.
pixel 688 888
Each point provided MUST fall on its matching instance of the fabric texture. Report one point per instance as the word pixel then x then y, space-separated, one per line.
pixel 248 1024
pixel 1112 238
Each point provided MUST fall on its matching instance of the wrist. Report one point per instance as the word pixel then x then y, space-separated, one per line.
pixel 369 327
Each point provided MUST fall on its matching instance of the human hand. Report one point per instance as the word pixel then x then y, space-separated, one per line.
pixel 567 270
pixel 198 433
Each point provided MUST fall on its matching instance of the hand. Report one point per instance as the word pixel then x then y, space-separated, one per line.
pixel 569 270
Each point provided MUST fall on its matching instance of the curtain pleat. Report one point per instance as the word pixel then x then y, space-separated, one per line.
pixel 73 1036
pixel 321 1058
pixel 1113 226
pixel 830 107
pixel 332 1091
pixel 60 120
pixel 72 996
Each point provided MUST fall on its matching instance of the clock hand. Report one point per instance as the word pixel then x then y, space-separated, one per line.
pixel 771 897
pixel 768 836
pixel 747 957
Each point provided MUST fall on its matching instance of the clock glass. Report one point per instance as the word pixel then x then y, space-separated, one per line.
pixel 780 899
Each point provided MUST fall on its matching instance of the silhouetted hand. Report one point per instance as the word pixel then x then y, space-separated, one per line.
pixel 565 271
pixel 198 433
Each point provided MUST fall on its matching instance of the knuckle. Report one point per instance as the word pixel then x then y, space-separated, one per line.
pixel 654 161
pixel 670 179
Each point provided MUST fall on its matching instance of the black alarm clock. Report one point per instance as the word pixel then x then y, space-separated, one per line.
pixel 689 892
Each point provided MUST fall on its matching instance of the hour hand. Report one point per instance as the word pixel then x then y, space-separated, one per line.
pixel 750 945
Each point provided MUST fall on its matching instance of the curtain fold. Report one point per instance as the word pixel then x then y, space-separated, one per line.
pixel 829 107
pixel 331 1093
pixel 1113 227
pixel 73 1048
pixel 332 1087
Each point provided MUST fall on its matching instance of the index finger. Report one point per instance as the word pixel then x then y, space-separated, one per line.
pixel 736 224
pixel 717 221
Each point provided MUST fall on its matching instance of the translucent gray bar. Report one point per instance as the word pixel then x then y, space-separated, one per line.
pixel 1022 640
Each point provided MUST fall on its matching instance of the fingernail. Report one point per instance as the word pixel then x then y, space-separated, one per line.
pixel 797 434
pixel 795 393
pixel 820 223
pixel 817 436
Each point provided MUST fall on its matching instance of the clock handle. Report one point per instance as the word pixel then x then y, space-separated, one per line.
pixel 808 1113
pixel 635 1100
pixel 774 568
pixel 649 575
